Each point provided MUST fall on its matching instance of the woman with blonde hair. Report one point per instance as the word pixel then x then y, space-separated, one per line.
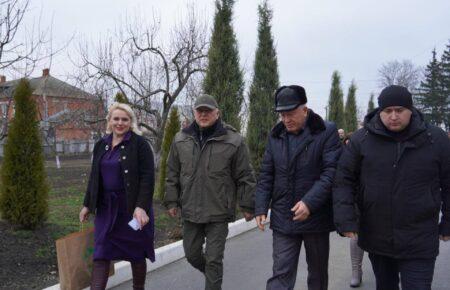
pixel 120 192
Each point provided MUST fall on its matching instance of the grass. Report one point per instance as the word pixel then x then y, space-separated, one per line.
pixel 67 188
pixel 65 198
pixel 64 212
pixel 23 234
pixel 162 221
pixel 42 252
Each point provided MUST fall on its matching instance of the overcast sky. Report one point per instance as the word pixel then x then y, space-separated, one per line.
pixel 313 37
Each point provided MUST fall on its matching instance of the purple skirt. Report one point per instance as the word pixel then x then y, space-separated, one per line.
pixel 114 238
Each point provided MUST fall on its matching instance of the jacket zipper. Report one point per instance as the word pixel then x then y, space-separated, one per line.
pixel 194 171
pixel 395 165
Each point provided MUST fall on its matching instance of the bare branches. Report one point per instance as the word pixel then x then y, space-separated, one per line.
pixel 403 73
pixel 22 47
pixel 11 16
pixel 151 73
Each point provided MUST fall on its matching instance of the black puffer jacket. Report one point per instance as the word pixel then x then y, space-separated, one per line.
pixel 306 176
pixel 399 187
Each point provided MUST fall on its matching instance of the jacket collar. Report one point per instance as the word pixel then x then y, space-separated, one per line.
pixel 373 123
pixel 108 138
pixel 219 129
pixel 314 123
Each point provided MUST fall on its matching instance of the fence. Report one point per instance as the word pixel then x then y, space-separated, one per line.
pixel 65 148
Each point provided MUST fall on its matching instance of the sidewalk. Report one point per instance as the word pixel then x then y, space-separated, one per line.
pixel 248 262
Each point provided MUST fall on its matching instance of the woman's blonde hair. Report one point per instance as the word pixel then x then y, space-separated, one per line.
pixel 127 109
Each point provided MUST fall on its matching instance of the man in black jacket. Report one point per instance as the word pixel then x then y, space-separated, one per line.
pixel 295 180
pixel 397 170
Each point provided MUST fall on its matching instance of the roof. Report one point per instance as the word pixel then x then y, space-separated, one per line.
pixel 48 86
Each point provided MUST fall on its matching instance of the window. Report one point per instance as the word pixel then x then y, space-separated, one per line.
pixel 4 109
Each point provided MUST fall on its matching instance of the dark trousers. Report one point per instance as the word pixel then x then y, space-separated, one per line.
pixel 415 274
pixel 286 250
pixel 209 262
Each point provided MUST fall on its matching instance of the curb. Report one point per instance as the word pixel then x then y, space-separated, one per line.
pixel 164 255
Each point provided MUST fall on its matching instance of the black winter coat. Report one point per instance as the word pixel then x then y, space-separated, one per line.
pixel 138 173
pixel 399 188
pixel 308 176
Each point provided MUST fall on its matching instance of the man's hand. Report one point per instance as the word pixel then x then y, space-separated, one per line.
pixel 172 212
pixel 350 235
pixel 260 221
pixel 248 216
pixel 444 238
pixel 141 216
pixel 301 211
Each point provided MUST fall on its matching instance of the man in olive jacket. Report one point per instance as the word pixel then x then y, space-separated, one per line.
pixel 397 170
pixel 208 173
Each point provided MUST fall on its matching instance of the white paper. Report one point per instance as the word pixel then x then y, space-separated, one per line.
pixel 134 224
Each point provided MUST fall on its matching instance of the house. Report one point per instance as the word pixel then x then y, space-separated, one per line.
pixel 70 118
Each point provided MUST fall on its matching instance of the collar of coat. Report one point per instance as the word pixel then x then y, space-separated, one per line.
pixel 108 138
pixel 314 122
pixel 219 130
pixel 373 124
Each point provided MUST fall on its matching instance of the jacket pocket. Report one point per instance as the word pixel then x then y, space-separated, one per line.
pixel 185 196
pixel 359 198
pixel 436 197
pixel 421 205
pixel 219 159
pixel 278 195
pixel 217 202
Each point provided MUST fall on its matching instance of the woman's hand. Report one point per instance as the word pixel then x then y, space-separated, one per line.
pixel 141 216
pixel 84 214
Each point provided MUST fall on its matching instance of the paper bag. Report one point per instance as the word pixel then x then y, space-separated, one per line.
pixel 74 254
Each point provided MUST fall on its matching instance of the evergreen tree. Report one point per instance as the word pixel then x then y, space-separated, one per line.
pixel 224 78
pixel 371 105
pixel 172 128
pixel 121 98
pixel 351 119
pixel 265 82
pixel 24 190
pixel 431 98
pixel 336 102
pixel 445 63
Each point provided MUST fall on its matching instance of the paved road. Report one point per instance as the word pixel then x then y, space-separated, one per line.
pixel 248 262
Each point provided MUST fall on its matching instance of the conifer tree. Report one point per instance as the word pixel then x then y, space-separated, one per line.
pixel 172 128
pixel 265 82
pixel 351 120
pixel 223 78
pixel 336 102
pixel 24 190
pixel 431 98
pixel 445 64
pixel 371 105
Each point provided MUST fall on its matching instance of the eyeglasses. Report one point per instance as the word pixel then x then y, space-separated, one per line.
pixel 203 111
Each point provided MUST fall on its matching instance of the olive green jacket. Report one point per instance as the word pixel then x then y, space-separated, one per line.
pixel 208 182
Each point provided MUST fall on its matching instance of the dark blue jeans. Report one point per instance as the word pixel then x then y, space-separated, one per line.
pixel 415 274
pixel 286 250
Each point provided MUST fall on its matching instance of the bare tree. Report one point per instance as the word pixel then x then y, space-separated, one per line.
pixel 152 75
pixel 21 47
pixel 403 73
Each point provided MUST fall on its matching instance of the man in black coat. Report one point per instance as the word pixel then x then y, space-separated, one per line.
pixel 397 170
pixel 295 180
